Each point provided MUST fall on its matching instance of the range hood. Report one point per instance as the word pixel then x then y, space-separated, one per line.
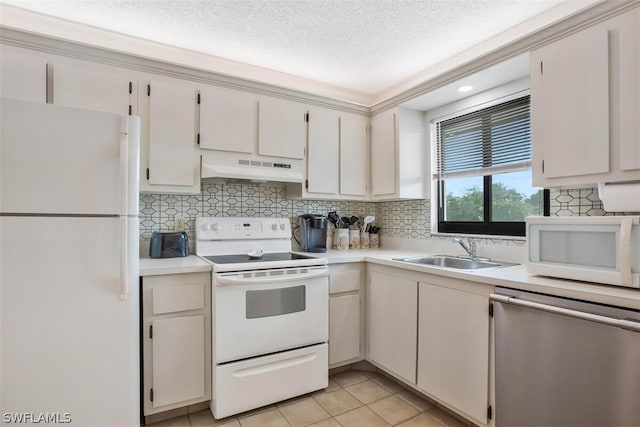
pixel 239 166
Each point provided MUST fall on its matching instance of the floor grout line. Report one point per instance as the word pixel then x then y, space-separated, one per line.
pixel 376 377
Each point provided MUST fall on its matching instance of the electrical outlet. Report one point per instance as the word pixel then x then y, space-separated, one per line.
pixel 179 223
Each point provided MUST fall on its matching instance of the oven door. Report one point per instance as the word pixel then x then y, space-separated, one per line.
pixel 267 311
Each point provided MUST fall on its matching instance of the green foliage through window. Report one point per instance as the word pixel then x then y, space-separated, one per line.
pixel 483 171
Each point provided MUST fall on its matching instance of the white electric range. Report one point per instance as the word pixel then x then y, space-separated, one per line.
pixel 270 320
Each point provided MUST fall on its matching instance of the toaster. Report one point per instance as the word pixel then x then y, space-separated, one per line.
pixel 169 244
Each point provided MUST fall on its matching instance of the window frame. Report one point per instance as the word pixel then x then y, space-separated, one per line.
pixel 486 226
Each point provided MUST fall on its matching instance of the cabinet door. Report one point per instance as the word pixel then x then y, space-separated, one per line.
pixel 383 154
pixel 178 359
pixel 570 106
pixel 393 323
pixel 282 128
pixel 97 87
pixel 228 120
pixel 168 134
pixel 344 328
pixel 23 76
pixel 323 151
pixel 353 155
pixel 453 348
pixel 629 72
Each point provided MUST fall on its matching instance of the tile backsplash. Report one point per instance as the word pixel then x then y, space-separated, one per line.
pixel 158 211
pixel 409 219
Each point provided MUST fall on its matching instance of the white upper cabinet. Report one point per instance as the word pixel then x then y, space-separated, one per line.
pixel 629 90
pixel 584 105
pixel 282 128
pixel 323 151
pixel 383 155
pixel 336 157
pixel 570 104
pixel 91 86
pixel 399 167
pixel 169 156
pixel 354 155
pixel 228 120
pixel 23 75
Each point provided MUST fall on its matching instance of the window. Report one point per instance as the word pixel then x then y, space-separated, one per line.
pixel 483 171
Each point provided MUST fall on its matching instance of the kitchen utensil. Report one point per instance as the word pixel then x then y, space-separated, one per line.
pixel 367 220
pixel 333 218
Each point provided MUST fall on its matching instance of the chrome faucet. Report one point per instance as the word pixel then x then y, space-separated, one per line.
pixel 468 245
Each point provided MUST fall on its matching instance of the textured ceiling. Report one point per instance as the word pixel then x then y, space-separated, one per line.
pixel 364 46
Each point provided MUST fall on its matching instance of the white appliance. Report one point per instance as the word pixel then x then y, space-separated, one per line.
pixel 253 167
pixel 69 266
pixel 270 313
pixel 594 249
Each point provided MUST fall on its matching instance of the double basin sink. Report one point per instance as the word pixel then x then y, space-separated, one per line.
pixel 454 262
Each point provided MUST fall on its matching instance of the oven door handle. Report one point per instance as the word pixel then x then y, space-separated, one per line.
pixel 238 280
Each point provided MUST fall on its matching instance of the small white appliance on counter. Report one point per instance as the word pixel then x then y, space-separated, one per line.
pixel 603 249
pixel 270 315
pixel 69 265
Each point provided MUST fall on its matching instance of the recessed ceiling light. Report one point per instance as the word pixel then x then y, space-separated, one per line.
pixel 466 88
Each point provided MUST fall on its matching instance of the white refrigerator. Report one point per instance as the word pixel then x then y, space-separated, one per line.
pixel 69 299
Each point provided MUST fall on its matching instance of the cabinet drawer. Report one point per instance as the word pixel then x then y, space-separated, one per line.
pixel 344 280
pixel 172 298
pixel 249 384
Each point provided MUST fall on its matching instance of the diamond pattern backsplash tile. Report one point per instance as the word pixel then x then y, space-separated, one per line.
pixel 579 202
pixel 410 219
pixel 158 211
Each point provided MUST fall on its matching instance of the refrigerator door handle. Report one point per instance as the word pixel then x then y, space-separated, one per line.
pixel 124 198
pixel 124 258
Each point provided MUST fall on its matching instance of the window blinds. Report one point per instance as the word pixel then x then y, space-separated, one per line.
pixel 488 141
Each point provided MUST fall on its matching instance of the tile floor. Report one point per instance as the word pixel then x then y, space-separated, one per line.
pixel 353 399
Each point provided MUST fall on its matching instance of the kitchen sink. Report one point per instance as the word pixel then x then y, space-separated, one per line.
pixel 458 263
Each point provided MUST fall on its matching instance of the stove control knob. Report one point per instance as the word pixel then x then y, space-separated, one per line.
pixel 217 227
pixel 274 227
pixel 206 227
pixel 282 226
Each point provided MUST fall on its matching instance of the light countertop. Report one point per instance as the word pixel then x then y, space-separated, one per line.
pixel 160 266
pixel 511 277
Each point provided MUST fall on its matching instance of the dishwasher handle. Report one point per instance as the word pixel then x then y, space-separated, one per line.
pixel 605 320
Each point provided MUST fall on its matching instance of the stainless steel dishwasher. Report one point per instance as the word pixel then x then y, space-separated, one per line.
pixel 563 362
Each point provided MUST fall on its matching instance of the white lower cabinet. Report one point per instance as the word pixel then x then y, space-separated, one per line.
pixel 346 319
pixel 453 345
pixel 392 323
pixel 432 332
pixel 176 337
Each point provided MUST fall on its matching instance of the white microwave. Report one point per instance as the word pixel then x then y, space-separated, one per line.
pixel 602 249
